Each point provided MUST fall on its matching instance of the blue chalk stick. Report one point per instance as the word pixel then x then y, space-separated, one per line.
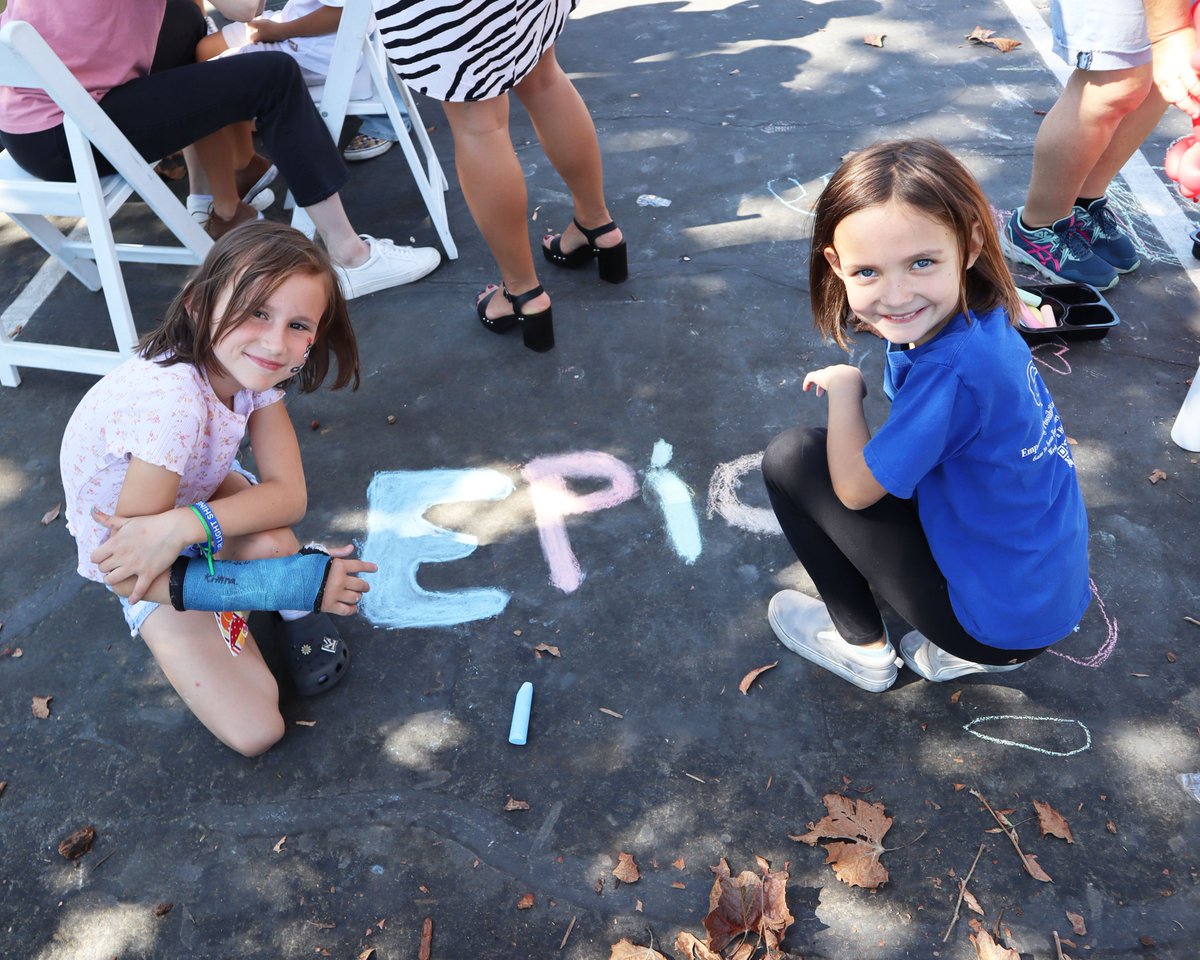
pixel 519 731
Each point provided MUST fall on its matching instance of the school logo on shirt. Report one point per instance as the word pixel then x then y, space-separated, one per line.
pixel 1053 438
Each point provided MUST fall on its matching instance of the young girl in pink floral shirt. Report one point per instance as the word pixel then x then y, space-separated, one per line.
pixel 151 477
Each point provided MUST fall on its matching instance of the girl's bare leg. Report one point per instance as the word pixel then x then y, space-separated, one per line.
pixel 568 136
pixel 494 187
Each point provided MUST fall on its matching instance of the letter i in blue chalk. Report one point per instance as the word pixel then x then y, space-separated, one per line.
pixel 519 730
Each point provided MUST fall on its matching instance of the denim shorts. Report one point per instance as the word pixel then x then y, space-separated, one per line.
pixel 1100 34
pixel 136 613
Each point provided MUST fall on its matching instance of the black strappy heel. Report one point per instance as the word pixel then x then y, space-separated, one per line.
pixel 537 329
pixel 612 261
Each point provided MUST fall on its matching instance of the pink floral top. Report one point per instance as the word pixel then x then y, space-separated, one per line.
pixel 167 416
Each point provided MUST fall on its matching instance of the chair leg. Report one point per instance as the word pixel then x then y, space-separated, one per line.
pixel 48 237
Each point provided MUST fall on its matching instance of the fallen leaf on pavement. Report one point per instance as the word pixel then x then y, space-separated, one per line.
pixel 679 864
pixel 854 829
pixel 981 35
pixel 971 902
pixel 163 909
pixel 693 949
pixel 76 844
pixel 3 784
pixel 1077 924
pixel 626 869
pixel 954 697
pixel 612 713
pixel 51 515
pixel 1111 826
pixel 515 805
pixel 547 648
pixel 679 884
pixel 1051 822
pixel 625 949
pixel 988 949
pixel 1156 475
pixel 748 903
pixel 874 39
pixel 638 906
pixel 279 846
pixel 753 675
pixel 525 902
pixel 41 707
pixel 423 952
pixel 367 954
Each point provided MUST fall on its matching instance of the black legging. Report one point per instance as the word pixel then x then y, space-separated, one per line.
pixel 164 112
pixel 847 552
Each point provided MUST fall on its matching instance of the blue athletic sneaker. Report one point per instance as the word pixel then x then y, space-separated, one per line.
pixel 1106 237
pixel 1059 251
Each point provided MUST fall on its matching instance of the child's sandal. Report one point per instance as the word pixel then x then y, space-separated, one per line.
pixel 612 261
pixel 314 654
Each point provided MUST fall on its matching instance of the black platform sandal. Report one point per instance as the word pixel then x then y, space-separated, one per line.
pixel 313 652
pixel 537 329
pixel 612 261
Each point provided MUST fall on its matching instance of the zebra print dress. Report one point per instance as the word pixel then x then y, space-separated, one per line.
pixel 462 50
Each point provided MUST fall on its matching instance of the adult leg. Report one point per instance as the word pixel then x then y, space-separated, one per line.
pixel 1086 138
pixel 568 136
pixel 494 187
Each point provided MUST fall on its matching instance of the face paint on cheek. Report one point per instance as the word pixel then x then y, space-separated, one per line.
pixel 304 359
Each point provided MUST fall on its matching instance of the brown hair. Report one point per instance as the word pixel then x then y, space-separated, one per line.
pixel 251 262
pixel 926 176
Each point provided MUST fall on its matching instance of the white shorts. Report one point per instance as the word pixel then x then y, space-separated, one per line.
pixel 1100 34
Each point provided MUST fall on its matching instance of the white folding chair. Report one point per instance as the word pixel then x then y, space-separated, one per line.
pixel 26 60
pixel 357 35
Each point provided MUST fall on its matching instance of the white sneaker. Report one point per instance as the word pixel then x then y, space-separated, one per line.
pixel 922 656
pixel 201 208
pixel 387 266
pixel 802 625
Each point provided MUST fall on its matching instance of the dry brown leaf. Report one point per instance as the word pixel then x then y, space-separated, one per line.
pixel 955 696
pixel 625 949
pixel 512 805
pixel 988 949
pixel 1111 826
pixel 279 846
pixel 874 39
pixel 626 869
pixel 599 885
pixel 525 902
pixel 981 35
pixel 638 906
pixel 1156 475
pixel 41 707
pixel 855 829
pixel 426 947
pixel 679 864
pixel 1051 822
pixel 971 902
pixel 76 844
pixel 748 903
pixel 1172 656
pixel 162 909
pixel 369 953
pixel 547 648
pixel 1077 924
pixel 693 949
pixel 51 515
pixel 753 675
pixel 743 951
pixel 678 885
pixel 3 784
pixel 958 786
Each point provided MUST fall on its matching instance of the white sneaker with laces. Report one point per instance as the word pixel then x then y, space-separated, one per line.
pixel 922 656
pixel 387 266
pixel 363 147
pixel 201 207
pixel 802 625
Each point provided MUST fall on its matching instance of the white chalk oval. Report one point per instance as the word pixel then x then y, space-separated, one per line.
pixel 1087 735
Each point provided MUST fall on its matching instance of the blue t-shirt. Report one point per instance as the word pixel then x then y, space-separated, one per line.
pixel 973 434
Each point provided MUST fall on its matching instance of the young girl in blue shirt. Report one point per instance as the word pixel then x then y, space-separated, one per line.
pixel 963 511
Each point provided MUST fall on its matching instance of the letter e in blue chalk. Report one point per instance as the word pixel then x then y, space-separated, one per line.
pixel 519 730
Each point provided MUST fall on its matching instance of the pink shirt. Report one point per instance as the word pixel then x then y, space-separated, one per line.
pixel 104 43
pixel 168 416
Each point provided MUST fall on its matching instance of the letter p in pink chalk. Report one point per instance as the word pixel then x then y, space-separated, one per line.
pixel 553 502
